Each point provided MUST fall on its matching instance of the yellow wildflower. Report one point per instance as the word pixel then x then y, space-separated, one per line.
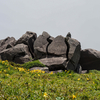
pixel 45 95
pixel 7 74
pixel 3 62
pixel 32 71
pixel 43 71
pixel 51 72
pixel 73 96
pixel 78 79
pixel 6 60
pixel 87 79
pixel 5 71
pixel 21 69
pixel 0 71
pixel 65 70
pixel 8 68
pixel 93 83
pixel 70 74
pixel 38 74
pixel 28 70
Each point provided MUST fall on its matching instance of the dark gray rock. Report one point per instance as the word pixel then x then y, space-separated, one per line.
pixel 79 69
pixel 54 63
pixel 73 54
pixel 40 45
pixel 18 51
pixel 28 39
pixel 90 59
pixel 4 43
pixel 25 38
pixel 23 59
pixel 58 47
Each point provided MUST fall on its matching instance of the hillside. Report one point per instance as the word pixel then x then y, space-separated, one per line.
pixel 18 83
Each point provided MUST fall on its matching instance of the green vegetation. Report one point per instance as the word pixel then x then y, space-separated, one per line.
pixel 30 64
pixel 18 83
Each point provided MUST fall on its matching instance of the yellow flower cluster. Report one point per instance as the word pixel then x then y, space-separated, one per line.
pixel 78 79
pixel 9 67
pixel 73 96
pixel 51 72
pixel 21 69
pixel 4 62
pixel 37 71
pixel 45 95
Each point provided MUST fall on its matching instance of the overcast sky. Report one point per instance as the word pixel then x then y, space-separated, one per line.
pixel 57 17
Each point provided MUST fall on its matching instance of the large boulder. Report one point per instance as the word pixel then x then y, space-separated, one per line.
pixel 25 38
pixel 18 54
pixel 58 47
pixel 41 45
pixel 54 63
pixel 73 54
pixel 7 43
pixel 28 39
pixel 90 59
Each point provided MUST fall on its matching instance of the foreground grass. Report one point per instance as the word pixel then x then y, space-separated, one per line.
pixel 21 84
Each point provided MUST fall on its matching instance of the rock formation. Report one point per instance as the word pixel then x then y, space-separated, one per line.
pixel 90 59
pixel 59 53
pixel 18 54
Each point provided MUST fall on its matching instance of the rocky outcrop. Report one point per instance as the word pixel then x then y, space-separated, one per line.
pixel 73 54
pixel 54 63
pixel 25 38
pixel 58 53
pixel 58 47
pixel 18 54
pixel 90 59
pixel 7 43
pixel 28 39
pixel 41 45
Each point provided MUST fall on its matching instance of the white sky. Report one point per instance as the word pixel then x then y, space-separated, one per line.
pixel 57 17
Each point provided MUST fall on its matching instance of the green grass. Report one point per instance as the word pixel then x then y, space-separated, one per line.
pixel 30 64
pixel 21 84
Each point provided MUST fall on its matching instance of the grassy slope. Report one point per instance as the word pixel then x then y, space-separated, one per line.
pixel 21 84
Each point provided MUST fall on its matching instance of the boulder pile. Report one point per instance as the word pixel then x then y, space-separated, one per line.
pixel 59 53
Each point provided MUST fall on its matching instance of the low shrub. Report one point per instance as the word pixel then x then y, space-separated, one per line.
pixel 30 64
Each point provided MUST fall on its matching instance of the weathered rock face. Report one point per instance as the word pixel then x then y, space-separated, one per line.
pixel 25 38
pixel 54 63
pixel 58 53
pixel 73 54
pixel 7 43
pixel 90 59
pixel 40 45
pixel 28 39
pixel 19 54
pixel 58 47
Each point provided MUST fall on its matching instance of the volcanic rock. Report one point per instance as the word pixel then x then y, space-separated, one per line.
pixel 58 47
pixel 90 59
pixel 40 45
pixel 54 63
pixel 73 54
pixel 20 51
pixel 4 43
